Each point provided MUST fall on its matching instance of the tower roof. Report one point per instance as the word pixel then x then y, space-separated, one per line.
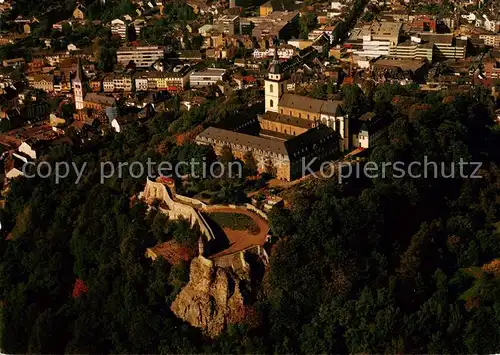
pixel 275 67
pixel 79 75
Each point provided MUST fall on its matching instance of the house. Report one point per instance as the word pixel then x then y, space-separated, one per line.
pixel 98 102
pixel 72 47
pixel 15 165
pixel 118 123
pixel 370 130
pixel 79 12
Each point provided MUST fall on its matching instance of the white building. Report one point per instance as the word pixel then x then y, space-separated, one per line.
pixel 143 57
pixel 78 90
pixel 206 77
pixel 119 27
pixel 376 39
pixel 283 52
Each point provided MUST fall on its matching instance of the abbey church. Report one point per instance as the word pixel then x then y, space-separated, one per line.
pixel 293 130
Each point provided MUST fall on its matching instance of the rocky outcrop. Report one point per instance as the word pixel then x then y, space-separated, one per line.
pixel 211 299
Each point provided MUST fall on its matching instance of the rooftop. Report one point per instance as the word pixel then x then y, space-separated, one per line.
pixel 294 121
pixel 246 140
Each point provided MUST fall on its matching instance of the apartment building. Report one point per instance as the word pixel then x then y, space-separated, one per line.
pixel 117 82
pixel 206 77
pixel 143 57
pixel 119 28
pixel 174 80
pixel 228 24
pixel 43 82
pixel 491 40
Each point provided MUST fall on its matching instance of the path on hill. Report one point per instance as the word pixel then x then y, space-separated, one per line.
pixel 241 239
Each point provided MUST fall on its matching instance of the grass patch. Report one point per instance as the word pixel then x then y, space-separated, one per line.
pixel 235 221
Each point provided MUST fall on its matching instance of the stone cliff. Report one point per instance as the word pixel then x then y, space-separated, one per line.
pixel 211 299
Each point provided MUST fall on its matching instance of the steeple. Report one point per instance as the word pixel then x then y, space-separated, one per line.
pixel 78 70
pixel 275 83
pixel 78 88
pixel 275 67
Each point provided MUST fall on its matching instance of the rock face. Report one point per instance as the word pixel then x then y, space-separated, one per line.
pixel 211 299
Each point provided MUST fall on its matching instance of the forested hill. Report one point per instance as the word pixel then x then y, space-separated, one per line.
pixel 389 265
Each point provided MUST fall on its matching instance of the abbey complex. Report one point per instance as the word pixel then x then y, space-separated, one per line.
pixel 294 129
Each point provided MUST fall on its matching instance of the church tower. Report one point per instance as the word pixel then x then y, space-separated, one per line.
pixel 275 83
pixel 78 90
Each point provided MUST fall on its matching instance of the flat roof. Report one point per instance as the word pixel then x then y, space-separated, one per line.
pixel 404 64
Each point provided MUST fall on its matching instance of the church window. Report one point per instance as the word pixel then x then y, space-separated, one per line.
pixel 271 88
pixel 271 103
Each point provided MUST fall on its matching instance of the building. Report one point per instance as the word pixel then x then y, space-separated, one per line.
pixel 372 128
pixel 228 24
pixel 117 82
pixel 285 52
pixel 375 39
pixel 400 69
pixel 246 26
pixel 13 62
pixel 119 28
pixel 78 88
pixel 98 102
pixel 177 79
pixel 446 46
pixel 206 77
pixel 271 6
pixel 43 82
pixel 174 80
pixel 277 100
pixel 286 157
pixel 279 24
pixel 294 131
pixel 143 57
pixel 79 12
pixel 412 49
pixel 491 40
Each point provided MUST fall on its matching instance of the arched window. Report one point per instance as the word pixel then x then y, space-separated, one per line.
pixel 271 103
pixel 271 88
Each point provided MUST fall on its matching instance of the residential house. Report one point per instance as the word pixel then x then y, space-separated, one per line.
pixel 79 12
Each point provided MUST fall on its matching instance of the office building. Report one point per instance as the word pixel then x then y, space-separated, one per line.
pixel 143 57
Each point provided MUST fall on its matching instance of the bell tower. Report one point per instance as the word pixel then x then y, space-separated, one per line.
pixel 78 90
pixel 275 83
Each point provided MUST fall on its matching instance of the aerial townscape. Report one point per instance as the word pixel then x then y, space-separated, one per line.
pixel 249 176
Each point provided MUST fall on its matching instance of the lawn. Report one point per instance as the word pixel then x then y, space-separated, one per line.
pixel 234 221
